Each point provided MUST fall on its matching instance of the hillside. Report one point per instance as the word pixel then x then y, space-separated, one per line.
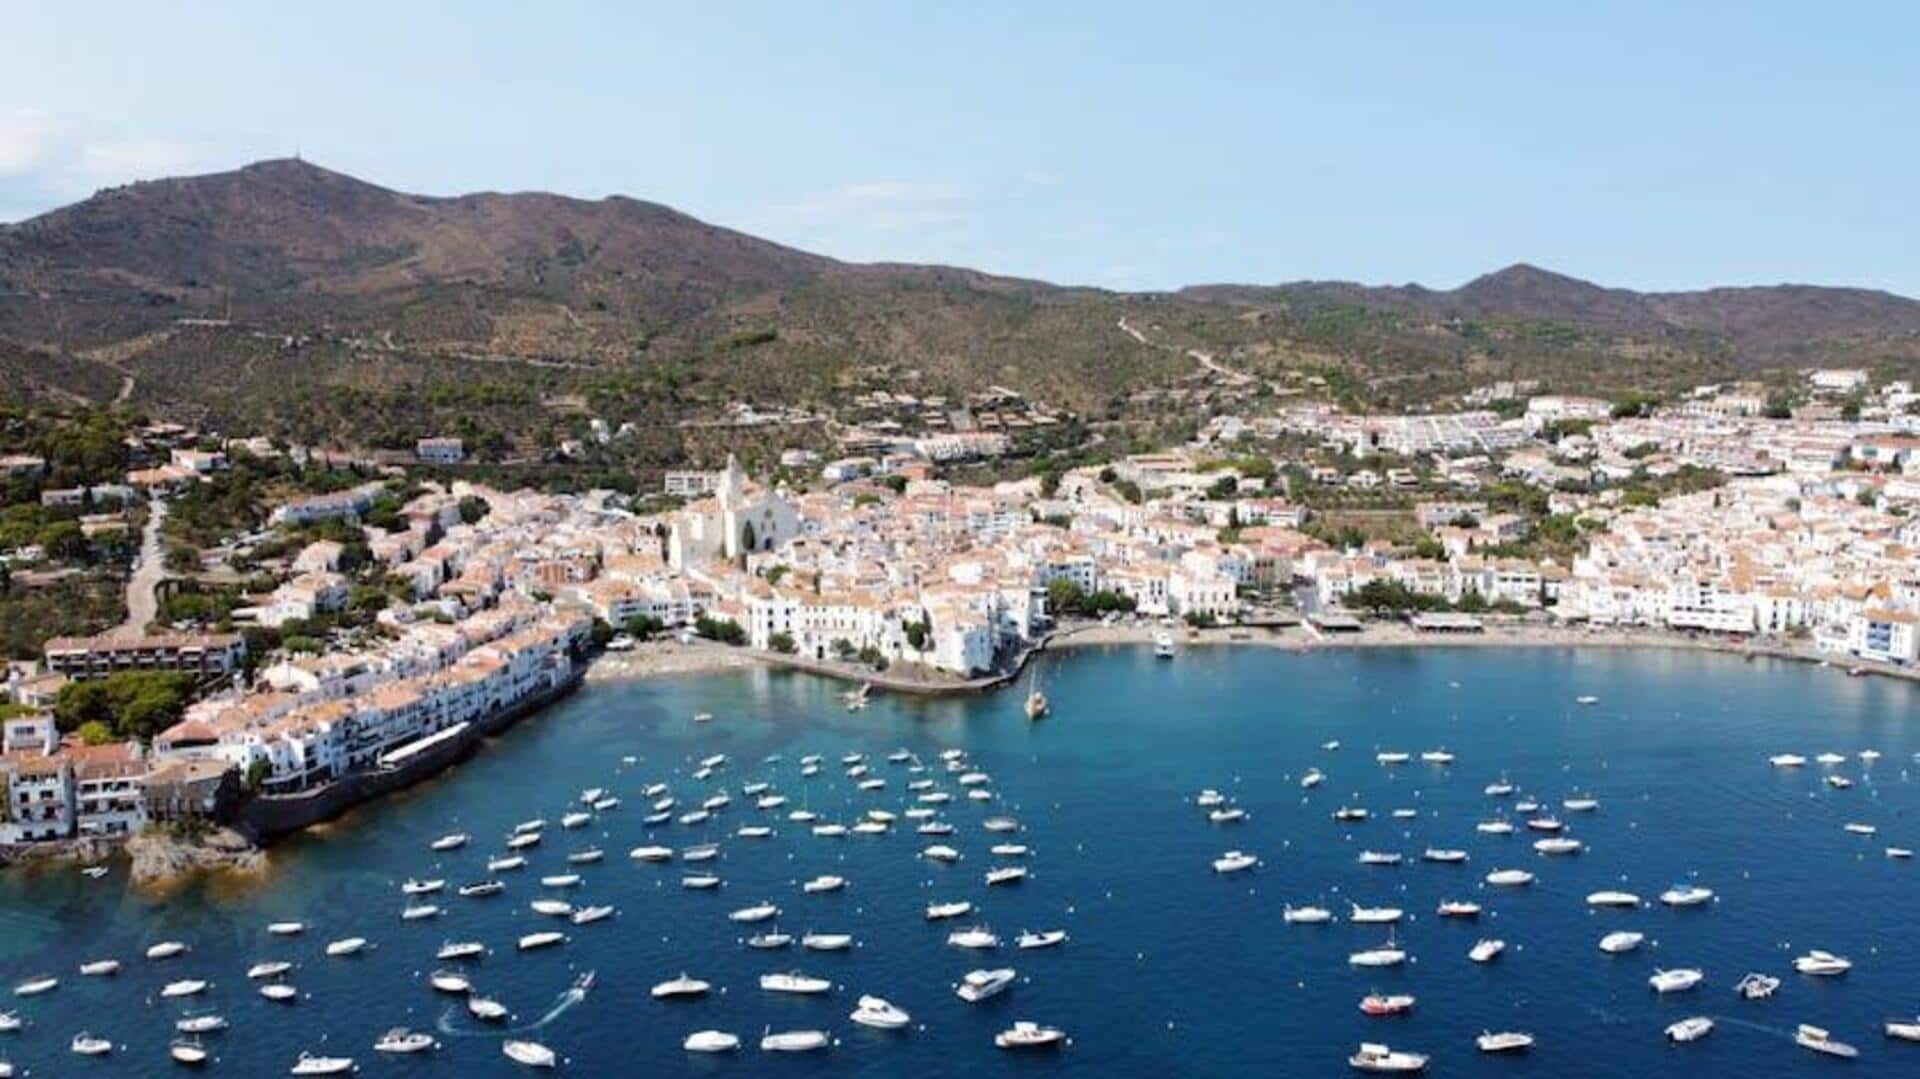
pixel 287 297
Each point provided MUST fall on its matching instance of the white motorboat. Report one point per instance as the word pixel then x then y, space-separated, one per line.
pixel 1486 950
pixel 1507 1041
pixel 347 946
pixel 1210 799
pixel 1375 915
pixel 33 987
pixel 1025 1035
pixel 279 992
pixel 480 889
pixel 1330 746
pixel 1611 898
pixel 1545 824
pixel 1787 760
pixel 185 987
pixel 1234 861
pixel 450 842
pixel 187 1051
pixel 522 842
pixel 561 880
pixel 1392 757
pixel 1690 1029
pixel 1559 844
pixel 1899 852
pixel 1868 755
pixel 1499 788
pixel 541 940
pixel 1839 782
pixel 419 911
pixel 1045 938
pixel 1436 756
pixel 529 827
pixel 1686 895
pixel 576 820
pixel 11 1023
pixel 90 1045
pixel 680 988
pixel 603 805
pixel 486 1009
pixel 870 827
pixel 759 912
pixel 1000 824
pixel 1006 874
pixel 309 1064
pixel 100 968
pixel 505 863
pixel 794 982
pixel 1305 915
pixel 880 1013
pixel 1621 941
pixel 286 929
pixel 653 790
pixel 1459 908
pixel 977 985
pixel 794 1041
pixel 753 831
pixel 1443 855
pixel 700 852
pixel 770 940
pixel 1822 964
pixel 1526 805
pixel 528 1053
pixel 1163 644
pixel 1831 758
pixel 711 1041
pixel 1675 981
pixel 586 857
pixel 1378 1004
pixel 204 1023
pixel 651 854
pixel 400 1040
pixel 166 949
pixel 591 914
pixel 1494 827
pixel 1906 1030
pixel 1226 815
pixel 1385 956
pixel 1374 1057
pixel 1510 878
pixel 1580 803
pixel 1405 814
pixel 1820 1040
pixel 1008 850
pixel 1858 828
pixel 933 827
pixel 700 882
pixel 1375 857
pixel 1350 814
pixel 830 830
pixel 940 852
pixel 975 938
pixel 934 798
pixel 450 981
pixel 1755 986
pixel 697 816
pixel 461 949
pixel 1586 699
pixel 421 887
pixel 955 909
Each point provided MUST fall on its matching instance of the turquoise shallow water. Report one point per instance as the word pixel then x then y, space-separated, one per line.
pixel 1171 969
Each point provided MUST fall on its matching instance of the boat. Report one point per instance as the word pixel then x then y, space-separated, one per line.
pixel 576 820
pixel 1025 1035
pixel 1899 852
pixel 1163 644
pixel 561 880
pixel 481 888
pixel 1690 1029
pixel 1906 1030
pixel 166 949
pixel 402 1040
pixel 1586 698
pixel 827 942
pixel 100 968
pixel 1000 824
pixel 767 941
pixel 1757 986
pixel 1385 956
pixel 450 981
pixel 977 985
pixel 590 914
pixel 279 992
pixel 1499 788
pixel 830 831
pixel 528 1053
pixel 541 940
pixel 1373 1057
pixel 1839 782
pixel 680 988
pixel 450 842
pixel 1486 950
pixel 935 827
pixel 1787 760
pixel 286 929
pixel 1008 850
pixel 204 1023
pixel 711 1041
pixel 460 949
pixel 1508 1041
pixel 1210 798
pixel 505 863
pixel 697 816
pixel 1234 861
pixel 1858 828
pixel 1459 908
pixel 523 841
pixel 1378 1004
pixel 1819 1040
pixel 185 987
pixel 879 1013
pixel 1007 874
pixel 759 912
pixel 794 1041
pixel 1330 746
pixel 1046 938
pixel 794 982
pixel 955 909
pixel 1675 981
pixel 90 1045
pixel 975 937
pixel 1375 857
pixel 700 852
pixel 610 802
pixel 1313 778
pixel 33 987
pixel 421 887
pixel 1822 964
pixel 1686 895
pixel 418 911
pixel 1392 756
pixel 1510 878
pixel 1349 813
pixel 651 854
pixel 940 852
pixel 1545 824
pixel 753 831
pixel 1622 941
pixel 1558 844
pixel 1610 898
pixel 1305 915
pixel 1436 756
pixel 1494 827
pixel 11 1023
pixel 187 1051
pixel 1444 856
pixel 347 946
pixel 1831 758
pixel 1036 706
pixel 486 1009
pixel 1405 814
pixel 1374 915
pixel 309 1064
pixel 586 857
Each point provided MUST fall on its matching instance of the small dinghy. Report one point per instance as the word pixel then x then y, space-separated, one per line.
pixel 530 1054
pixel 711 1041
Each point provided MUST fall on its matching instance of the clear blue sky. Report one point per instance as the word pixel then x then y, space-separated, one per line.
pixel 1128 145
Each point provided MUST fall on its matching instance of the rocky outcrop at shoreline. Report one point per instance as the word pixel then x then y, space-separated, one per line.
pixel 160 857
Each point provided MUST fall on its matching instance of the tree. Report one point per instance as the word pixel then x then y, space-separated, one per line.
pixel 95 733
pixel 1429 548
pixel 473 509
pixel 724 630
pixel 782 643
pixel 642 626
pixel 1224 487
pixel 747 537
pixel 843 649
pixel 918 634
pixel 257 774
pixel 130 704
pixel 1063 596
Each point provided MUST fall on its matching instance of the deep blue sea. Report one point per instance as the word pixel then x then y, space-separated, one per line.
pixel 1171 969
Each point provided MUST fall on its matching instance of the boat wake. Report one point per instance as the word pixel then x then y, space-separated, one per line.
pixel 568 997
pixel 1751 1025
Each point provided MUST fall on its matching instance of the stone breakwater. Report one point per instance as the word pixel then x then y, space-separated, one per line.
pixel 159 858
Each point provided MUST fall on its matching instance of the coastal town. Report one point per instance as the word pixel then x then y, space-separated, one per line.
pixel 374 632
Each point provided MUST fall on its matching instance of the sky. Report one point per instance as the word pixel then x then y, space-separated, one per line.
pixel 1125 145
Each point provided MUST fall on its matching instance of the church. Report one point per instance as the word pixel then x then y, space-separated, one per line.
pixel 737 518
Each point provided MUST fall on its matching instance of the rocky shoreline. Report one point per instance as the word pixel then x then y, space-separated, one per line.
pixel 160 859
